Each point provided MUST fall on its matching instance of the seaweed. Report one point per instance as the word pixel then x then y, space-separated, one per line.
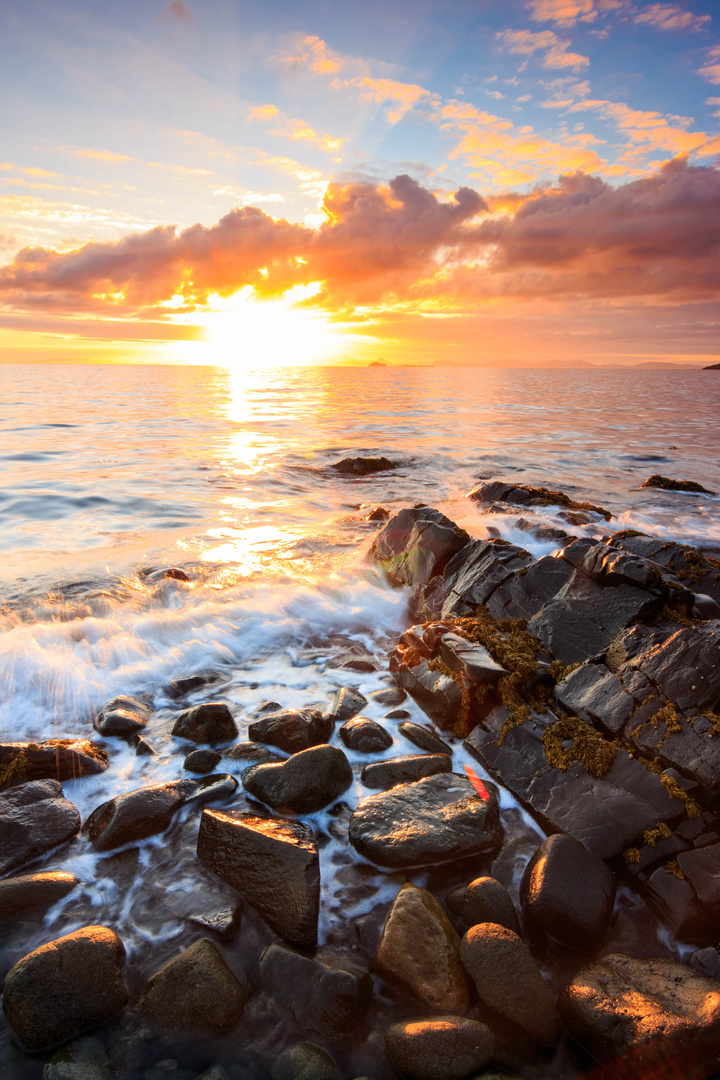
pixel 14 769
pixel 569 739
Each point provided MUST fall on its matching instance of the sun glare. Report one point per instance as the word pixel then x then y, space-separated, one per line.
pixel 244 332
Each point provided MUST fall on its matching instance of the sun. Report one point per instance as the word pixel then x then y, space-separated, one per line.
pixel 241 331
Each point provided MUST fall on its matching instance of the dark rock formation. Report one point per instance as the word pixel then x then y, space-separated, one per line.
pixel 390 697
pixel 475 573
pixel 251 753
pixel 55 759
pixel 424 738
pixel 33 892
pixel 68 986
pixel 187 684
pixel 439 1048
pixel 194 990
pixel 404 770
pixel 273 864
pixel 363 466
pixel 666 482
pixel 325 993
pixel 419 951
pixel 82 1059
pixel 431 821
pixel 508 980
pixel 34 818
pixel 138 814
pixel 416 544
pixel 568 893
pixel 202 761
pixel 525 495
pixel 292 730
pixel 366 736
pixel 209 723
pixel 304 783
pixel 346 704
pixel 122 716
pixel 483 900
pixel 303 1061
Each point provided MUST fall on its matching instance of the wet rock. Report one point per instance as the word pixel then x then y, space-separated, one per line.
pixel 438 695
pixel 606 813
pixel 366 736
pixel 224 922
pixel 416 544
pixel 363 466
pixel 346 704
pixel 138 814
pixel 68 986
pixel 597 695
pixel 685 667
pixel 404 770
pixel 353 655
pixel 187 684
pixel 706 962
pixel 424 738
pixel 55 759
pixel 687 564
pixel 476 571
pixel 196 989
pixel 84 1059
pixel 293 730
pixel 430 821
pixel 209 723
pixel 326 993
pixel 483 900
pixel 646 1011
pixel 303 784
pixel 523 594
pixel 122 716
pixel 666 482
pixel 508 980
pixel 34 818
pixel 439 1048
pixel 378 514
pixel 274 864
pixel 167 573
pixel 700 868
pixel 303 1061
pixel 142 747
pixel 675 903
pixel 470 659
pixel 32 892
pixel 202 761
pixel 251 753
pixel 392 696
pixel 398 714
pixel 419 951
pixel 526 495
pixel 568 893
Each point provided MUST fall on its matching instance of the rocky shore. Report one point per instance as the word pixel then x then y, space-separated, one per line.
pixel 568 931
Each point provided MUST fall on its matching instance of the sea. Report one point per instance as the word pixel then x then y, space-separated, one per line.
pixel 111 473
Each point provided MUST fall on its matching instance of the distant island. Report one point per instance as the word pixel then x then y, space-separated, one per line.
pixel 712 367
pixel 379 363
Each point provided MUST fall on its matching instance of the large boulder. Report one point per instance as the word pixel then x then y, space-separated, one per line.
pixel 33 892
pixel 292 730
pixel 326 993
pixel 211 723
pixel 274 864
pixel 419 951
pixel 55 759
pixel 430 821
pixel 404 770
pixel 416 544
pixel 147 811
pixel 123 716
pixel 569 893
pixel 439 1047
pixel 303 784
pixel 649 1012
pixel 34 818
pixel 196 989
pixel 66 987
pixel 508 980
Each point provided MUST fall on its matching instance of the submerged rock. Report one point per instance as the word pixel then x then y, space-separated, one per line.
pixel 647 1011
pixel 31 892
pixel 430 821
pixel 439 1048
pixel 363 466
pixel 526 495
pixel 202 761
pixel 122 716
pixel 666 482
pixel 55 759
pixel 251 753
pixel 83 1059
pixel 196 989
pixel 34 818
pixel 416 544
pixel 187 684
pixel 303 1061
pixel 147 811
pixel 274 864
pixel 68 986
pixel 404 770
pixel 304 783
pixel 327 993
pixel 293 730
pixel 209 723
pixel 419 951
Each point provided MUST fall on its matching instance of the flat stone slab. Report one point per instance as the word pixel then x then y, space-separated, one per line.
pixel 605 814
pixel 430 821
pixel 274 864
pixel 34 818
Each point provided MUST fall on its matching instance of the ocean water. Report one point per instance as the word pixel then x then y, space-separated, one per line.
pixel 109 473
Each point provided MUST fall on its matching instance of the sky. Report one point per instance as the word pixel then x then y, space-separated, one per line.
pixel 503 182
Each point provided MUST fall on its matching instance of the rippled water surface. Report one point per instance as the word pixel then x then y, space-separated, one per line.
pixel 109 473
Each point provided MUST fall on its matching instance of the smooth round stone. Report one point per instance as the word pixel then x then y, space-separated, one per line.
pixel 251 753
pixel 34 818
pixel 209 723
pixel 394 695
pixel 304 1061
pixel 365 736
pixel 424 738
pixel 122 716
pixel 194 990
pixel 484 900
pixel 439 1048
pixel 303 784
pixel 30 892
pixel 202 761
pixel 404 770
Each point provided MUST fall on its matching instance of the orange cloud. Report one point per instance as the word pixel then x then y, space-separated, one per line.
pixel 647 132
pixel 263 112
pixel 711 70
pixel 404 95
pixel 671 17
pixel 98 155
pixel 528 42
pixel 563 12
pixel 314 55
